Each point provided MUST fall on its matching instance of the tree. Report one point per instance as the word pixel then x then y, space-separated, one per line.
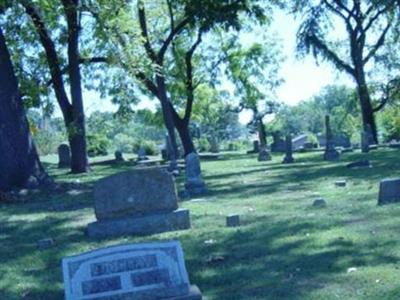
pixel 73 113
pixel 362 19
pixel 19 160
pixel 254 72
pixel 165 36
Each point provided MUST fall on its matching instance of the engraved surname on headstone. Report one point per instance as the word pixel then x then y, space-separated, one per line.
pixel 136 271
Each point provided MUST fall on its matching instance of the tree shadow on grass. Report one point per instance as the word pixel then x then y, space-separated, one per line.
pixel 275 260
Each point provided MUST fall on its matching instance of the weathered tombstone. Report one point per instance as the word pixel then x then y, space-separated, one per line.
pixel 45 243
pixel 118 156
pixel 264 154
pixel 278 144
pixel 137 202
pixel 233 221
pixel 319 203
pixel 214 146
pixel 64 156
pixel 288 159
pixel 330 152
pixel 194 184
pixel 389 191
pixel 167 154
pixel 151 271
pixel 142 154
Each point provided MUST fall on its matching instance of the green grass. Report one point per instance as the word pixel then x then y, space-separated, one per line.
pixel 285 249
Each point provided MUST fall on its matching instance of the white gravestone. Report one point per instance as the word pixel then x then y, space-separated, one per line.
pixel 149 271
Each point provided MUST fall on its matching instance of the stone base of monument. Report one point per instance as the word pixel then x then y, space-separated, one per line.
pixel 140 225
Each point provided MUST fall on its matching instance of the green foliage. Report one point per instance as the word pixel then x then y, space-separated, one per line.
pixel 390 121
pixel 150 147
pixel 202 144
pixel 97 145
pixel 47 141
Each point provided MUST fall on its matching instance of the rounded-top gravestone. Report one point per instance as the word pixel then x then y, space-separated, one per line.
pixel 64 156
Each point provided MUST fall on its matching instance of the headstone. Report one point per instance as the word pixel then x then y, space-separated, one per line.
pixel 137 202
pixel 319 203
pixel 341 183
pixel 142 154
pixel 288 159
pixel 278 144
pixel 364 163
pixel 64 156
pixel 331 153
pixel 389 191
pixel 232 221
pixel 194 184
pixel 118 156
pixel 214 147
pixel 264 154
pixel 167 148
pixel 151 271
pixel 299 141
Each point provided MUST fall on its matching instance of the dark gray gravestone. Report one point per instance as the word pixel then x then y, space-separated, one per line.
pixel 256 147
pixel 330 152
pixel 64 156
pixel 154 271
pixel 142 154
pixel 139 202
pixel 389 191
pixel 118 156
pixel 233 221
pixel 194 184
pixel 288 159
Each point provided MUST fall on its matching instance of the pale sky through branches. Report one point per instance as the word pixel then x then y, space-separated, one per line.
pixel 303 78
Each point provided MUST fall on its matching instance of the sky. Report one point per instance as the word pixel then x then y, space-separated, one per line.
pixel 303 78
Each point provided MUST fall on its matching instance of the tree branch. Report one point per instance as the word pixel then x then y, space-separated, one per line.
pixel 189 77
pixel 52 57
pixel 143 26
pixel 377 45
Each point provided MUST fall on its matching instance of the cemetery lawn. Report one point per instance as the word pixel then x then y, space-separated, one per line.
pixel 285 248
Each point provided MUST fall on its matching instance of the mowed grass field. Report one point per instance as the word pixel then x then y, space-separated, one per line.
pixel 285 248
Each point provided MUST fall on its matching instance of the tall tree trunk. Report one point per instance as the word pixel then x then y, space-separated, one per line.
pixel 72 113
pixel 366 107
pixel 77 137
pixel 184 134
pixel 168 119
pixel 19 159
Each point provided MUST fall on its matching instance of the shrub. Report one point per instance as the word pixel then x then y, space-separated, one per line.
pixel 97 145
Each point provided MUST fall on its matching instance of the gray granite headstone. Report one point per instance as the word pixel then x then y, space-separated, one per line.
pixel 389 191
pixel 142 154
pixel 330 152
pixel 151 271
pixel 194 184
pixel 118 156
pixel 233 221
pixel 139 202
pixel 64 156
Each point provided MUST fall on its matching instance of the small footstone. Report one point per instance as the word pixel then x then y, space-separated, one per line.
pixel 233 221
pixel 319 203
pixel 45 243
pixel 341 183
